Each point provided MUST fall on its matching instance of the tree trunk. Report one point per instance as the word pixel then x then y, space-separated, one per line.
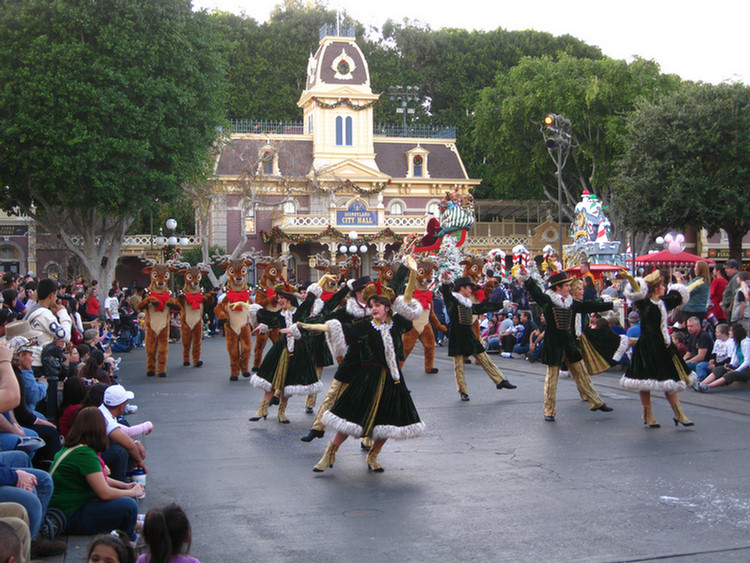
pixel 735 243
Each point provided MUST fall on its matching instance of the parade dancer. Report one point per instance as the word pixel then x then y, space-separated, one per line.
pixel 559 339
pixel 377 403
pixel 288 368
pixel 656 364
pixel 355 310
pixel 462 341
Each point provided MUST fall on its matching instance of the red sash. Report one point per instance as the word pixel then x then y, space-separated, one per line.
pixel 195 300
pixel 163 298
pixel 238 296
pixel 424 297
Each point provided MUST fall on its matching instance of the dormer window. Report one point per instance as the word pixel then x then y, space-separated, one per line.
pixel 417 163
pixel 269 161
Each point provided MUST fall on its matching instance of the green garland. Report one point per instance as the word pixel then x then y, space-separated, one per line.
pixel 277 234
pixel 345 102
pixel 349 185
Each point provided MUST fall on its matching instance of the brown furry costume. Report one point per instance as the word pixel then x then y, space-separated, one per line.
pixel 265 296
pixel 157 306
pixel 422 330
pixel 473 270
pixel 234 310
pixel 192 305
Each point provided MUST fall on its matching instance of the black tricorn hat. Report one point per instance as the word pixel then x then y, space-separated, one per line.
pixel 360 283
pixel 461 282
pixel 558 279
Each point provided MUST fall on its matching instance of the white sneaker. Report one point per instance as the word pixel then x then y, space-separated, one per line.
pixel 564 373
pixel 506 355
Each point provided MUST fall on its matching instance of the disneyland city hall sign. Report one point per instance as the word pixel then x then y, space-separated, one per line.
pixel 356 214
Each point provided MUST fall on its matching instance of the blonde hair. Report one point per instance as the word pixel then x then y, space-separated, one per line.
pixel 701 270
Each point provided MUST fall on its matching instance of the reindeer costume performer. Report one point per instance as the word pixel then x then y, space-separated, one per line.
pixel 157 306
pixel 422 330
pixel 234 310
pixel 192 305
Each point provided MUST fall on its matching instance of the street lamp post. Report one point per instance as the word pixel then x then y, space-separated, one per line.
pixel 402 96
pixel 557 139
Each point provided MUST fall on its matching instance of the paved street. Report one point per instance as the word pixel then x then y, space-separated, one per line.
pixel 489 481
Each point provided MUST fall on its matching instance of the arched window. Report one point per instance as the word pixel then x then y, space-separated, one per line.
pixel 396 208
pixel 290 208
pixel 349 132
pixel 433 209
pixel 339 131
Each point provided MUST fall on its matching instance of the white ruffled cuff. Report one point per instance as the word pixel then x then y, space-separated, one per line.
pixel 253 312
pixel 681 289
pixel 639 295
pixel 410 311
pixel 315 289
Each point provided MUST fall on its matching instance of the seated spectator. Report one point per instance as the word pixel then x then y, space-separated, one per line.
pixel 741 306
pixel 166 531
pixel 92 502
pixel 74 392
pixel 96 369
pixel 738 368
pixel 509 340
pixel 723 347
pixel 522 341
pixel 92 338
pixel 32 489
pixel 699 344
pixel 15 539
pixel 490 330
pixel 536 342
pixel 114 547
pixel 504 328
pixel 678 339
pixel 123 453
pixel 28 419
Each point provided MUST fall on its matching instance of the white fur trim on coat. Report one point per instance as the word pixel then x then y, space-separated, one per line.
pixel 261 383
pixel 339 424
pixel 681 289
pixel 317 307
pixel 315 289
pixel 253 312
pixel 355 309
pixel 263 328
pixel 666 386
pixel 622 348
pixel 410 311
pixel 290 390
pixel 415 430
pixel 639 295
pixel 335 338
pixel 462 300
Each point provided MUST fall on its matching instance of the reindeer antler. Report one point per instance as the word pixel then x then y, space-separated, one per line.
pixel 147 260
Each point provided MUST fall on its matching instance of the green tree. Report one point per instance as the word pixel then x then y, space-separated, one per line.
pixel 595 95
pixel 687 162
pixel 104 106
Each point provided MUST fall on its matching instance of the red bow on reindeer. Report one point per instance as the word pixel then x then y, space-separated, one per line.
pixel 195 300
pixel 424 297
pixel 162 298
pixel 238 296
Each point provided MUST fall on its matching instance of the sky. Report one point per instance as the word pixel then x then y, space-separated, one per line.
pixel 703 41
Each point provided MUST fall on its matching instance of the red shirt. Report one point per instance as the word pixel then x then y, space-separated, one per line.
pixel 92 306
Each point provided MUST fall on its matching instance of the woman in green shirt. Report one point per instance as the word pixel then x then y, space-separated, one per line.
pixel 92 502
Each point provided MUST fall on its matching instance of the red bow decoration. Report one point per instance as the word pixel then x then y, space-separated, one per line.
pixel 238 296
pixel 424 297
pixel 162 298
pixel 195 300
pixel 479 294
pixel 326 295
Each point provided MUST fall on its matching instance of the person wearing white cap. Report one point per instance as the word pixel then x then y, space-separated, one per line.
pixel 123 452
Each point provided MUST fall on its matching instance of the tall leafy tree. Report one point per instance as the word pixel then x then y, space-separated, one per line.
pixel 687 162
pixel 104 106
pixel 595 95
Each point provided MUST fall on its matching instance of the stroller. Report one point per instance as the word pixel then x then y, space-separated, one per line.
pixel 126 340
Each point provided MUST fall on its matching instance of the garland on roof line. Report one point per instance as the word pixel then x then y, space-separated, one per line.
pixel 276 234
pixel 345 102
pixel 349 185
